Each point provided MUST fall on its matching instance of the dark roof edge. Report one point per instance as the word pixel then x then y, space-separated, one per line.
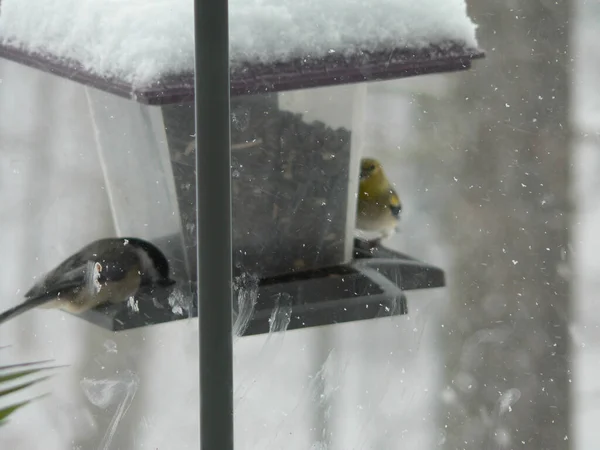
pixel 248 78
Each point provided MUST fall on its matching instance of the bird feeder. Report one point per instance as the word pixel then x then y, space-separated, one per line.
pixel 297 135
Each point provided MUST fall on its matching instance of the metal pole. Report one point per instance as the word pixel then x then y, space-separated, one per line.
pixel 213 184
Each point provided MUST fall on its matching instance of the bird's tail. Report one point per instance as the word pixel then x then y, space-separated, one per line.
pixel 25 306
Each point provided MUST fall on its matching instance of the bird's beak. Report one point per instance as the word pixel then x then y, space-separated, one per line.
pixel 396 210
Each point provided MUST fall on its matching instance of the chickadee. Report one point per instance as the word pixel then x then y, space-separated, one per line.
pixel 107 270
pixel 379 207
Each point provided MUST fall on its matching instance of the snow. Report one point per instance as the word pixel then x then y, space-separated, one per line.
pixel 142 40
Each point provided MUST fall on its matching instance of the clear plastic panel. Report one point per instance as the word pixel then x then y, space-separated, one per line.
pixel 110 389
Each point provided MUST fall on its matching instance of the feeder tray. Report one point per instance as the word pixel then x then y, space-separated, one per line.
pixel 371 286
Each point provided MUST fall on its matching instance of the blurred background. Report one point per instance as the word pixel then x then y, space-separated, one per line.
pixel 496 168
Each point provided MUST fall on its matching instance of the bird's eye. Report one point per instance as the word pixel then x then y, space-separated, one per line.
pixel 371 167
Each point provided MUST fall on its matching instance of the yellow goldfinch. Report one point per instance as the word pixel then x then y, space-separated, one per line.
pixel 379 207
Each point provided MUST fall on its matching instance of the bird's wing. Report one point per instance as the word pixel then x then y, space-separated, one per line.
pixel 62 277
pixel 82 270
pixel 39 295
pixel 394 199
pixel 93 264
pixel 23 307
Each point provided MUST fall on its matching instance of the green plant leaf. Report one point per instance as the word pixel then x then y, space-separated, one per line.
pixel 20 365
pixel 5 412
pixel 21 386
pixel 8 410
pixel 4 378
pixel 14 372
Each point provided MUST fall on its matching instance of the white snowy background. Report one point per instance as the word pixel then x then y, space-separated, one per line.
pixel 586 239
pixel 377 381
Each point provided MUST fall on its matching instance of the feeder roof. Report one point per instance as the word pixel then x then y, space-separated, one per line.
pixel 145 48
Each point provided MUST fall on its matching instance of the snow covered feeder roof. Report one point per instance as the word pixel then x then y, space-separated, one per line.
pixel 144 49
